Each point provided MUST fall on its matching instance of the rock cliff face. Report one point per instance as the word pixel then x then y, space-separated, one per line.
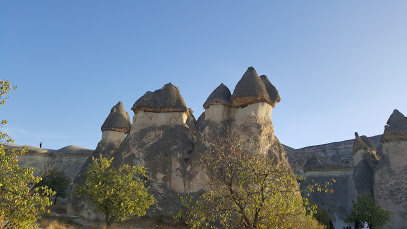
pixel 114 129
pixel 365 161
pixel 68 159
pixel 390 181
pixel 322 163
pixel 166 138
pixel 336 152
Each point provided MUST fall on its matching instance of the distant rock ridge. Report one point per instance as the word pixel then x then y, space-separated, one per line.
pixel 314 163
pixel 336 152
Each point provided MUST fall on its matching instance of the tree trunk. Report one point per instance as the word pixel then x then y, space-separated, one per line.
pixel 107 220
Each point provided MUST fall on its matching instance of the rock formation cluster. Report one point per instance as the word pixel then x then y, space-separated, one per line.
pixel 165 137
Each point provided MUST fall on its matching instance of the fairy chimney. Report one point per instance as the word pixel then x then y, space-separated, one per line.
pixel 254 98
pixel 116 125
pixel 218 106
pixel 391 172
pixel 161 107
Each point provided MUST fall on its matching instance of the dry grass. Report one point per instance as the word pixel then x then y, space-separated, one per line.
pixel 59 220
pixel 67 222
pixel 55 224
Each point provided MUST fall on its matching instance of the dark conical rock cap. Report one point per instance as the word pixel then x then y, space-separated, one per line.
pixel 118 119
pixel 395 118
pixel 362 143
pixel 312 163
pixel 250 89
pixel 396 128
pixel 166 99
pixel 272 91
pixel 221 95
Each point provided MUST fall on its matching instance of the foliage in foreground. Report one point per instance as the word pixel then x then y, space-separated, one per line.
pixel 246 190
pixel 118 193
pixel 20 203
pixel 368 210
pixel 5 88
pixel 322 217
pixel 57 181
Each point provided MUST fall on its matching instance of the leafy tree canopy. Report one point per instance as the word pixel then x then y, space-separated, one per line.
pixel 246 189
pixel 20 203
pixel 119 193
pixel 57 181
pixel 366 209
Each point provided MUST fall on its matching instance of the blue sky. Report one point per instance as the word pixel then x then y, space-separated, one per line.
pixel 340 66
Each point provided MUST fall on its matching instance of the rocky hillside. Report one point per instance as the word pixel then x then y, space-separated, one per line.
pixel 69 159
pixel 340 153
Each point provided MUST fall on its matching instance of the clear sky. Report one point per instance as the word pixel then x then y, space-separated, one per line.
pixel 339 66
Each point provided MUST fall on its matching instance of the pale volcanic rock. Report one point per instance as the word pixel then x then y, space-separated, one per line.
pixel 162 140
pixel 390 180
pixel 159 108
pixel 118 120
pixel 218 106
pixel 166 152
pixel 114 130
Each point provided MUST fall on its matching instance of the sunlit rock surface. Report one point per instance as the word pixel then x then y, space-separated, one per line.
pixel 390 187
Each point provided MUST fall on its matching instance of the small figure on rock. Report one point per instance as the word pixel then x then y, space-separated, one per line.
pixel 40 144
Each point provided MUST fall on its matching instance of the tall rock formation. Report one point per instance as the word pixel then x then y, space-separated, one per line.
pixel 218 106
pixel 114 130
pixel 166 139
pixel 246 114
pixel 365 161
pixel 116 125
pixel 254 99
pixel 161 140
pixel 390 183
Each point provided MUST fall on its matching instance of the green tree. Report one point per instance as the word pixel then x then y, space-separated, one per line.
pixel 57 181
pixel 246 189
pixel 5 88
pixel 118 193
pixel 366 209
pixel 20 203
pixel 322 217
